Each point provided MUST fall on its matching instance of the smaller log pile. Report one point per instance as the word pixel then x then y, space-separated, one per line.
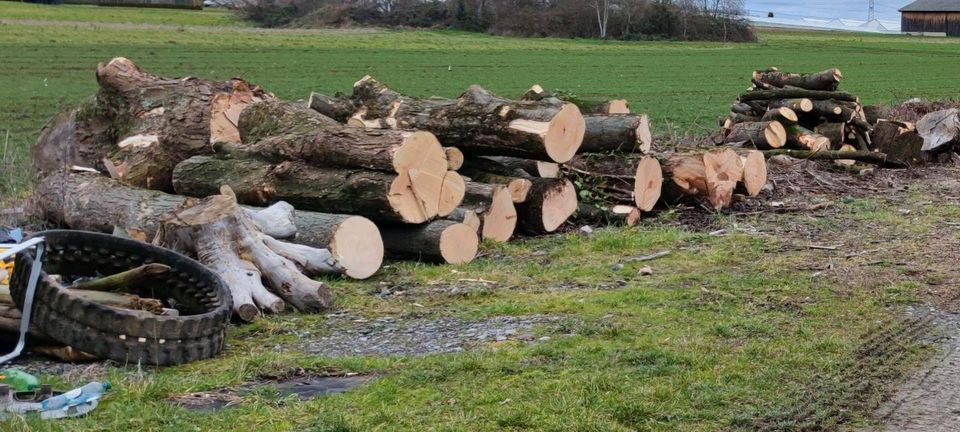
pixel 797 111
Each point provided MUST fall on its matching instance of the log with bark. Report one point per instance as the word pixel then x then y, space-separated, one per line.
pixel 870 157
pixel 835 132
pixel 478 122
pixel 899 142
pixel 493 205
pixel 484 170
pixel 761 135
pixel 95 203
pixel 622 179
pixel 441 241
pixel 534 168
pixel 550 203
pixel 220 234
pixel 376 195
pixel 801 138
pixel 617 133
pixel 141 125
pixel 614 215
pixel 796 93
pixel 826 80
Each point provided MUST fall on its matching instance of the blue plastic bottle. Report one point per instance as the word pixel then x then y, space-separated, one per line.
pixel 76 396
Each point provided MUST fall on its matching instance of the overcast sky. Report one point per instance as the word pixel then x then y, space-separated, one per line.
pixel 851 9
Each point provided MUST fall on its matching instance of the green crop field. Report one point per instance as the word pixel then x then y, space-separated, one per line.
pixel 732 332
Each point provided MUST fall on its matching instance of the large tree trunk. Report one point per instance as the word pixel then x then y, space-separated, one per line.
pixel 96 203
pixel 617 133
pixel 376 195
pixel 476 123
pixel 143 124
pixel 713 176
pixel 439 241
pixel 223 237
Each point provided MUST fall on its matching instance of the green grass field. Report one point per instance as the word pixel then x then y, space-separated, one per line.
pixel 732 332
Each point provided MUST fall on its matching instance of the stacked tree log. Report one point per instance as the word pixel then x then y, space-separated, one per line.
pixel 619 174
pixel 797 111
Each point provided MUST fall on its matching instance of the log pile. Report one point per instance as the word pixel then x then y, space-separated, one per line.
pixel 797 111
pixel 270 193
pixel 806 116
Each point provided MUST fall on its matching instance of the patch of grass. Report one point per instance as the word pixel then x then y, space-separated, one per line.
pixel 119 15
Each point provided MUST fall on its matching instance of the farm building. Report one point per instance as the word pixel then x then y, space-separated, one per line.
pixel 931 17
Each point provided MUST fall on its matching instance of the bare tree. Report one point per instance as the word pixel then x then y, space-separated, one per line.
pixel 603 15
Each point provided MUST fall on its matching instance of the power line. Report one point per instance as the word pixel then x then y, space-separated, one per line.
pixel 872 10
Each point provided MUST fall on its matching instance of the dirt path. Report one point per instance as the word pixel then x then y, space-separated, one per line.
pixel 930 400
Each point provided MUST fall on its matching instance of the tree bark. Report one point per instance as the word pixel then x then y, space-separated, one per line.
pixel 533 168
pixel 144 124
pixel 835 132
pixel 378 196
pixel 875 158
pixel 438 241
pixel 96 203
pixel 619 133
pixel 477 123
pixel 762 135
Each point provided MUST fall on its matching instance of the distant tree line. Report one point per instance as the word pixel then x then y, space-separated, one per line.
pixel 716 20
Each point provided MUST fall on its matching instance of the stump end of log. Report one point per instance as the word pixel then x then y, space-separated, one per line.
pixel 564 133
pixel 644 137
pixel 358 247
pixel 557 203
pixel 500 218
pixel 616 106
pixel 775 134
pixel 649 183
pixel 754 172
pixel 459 244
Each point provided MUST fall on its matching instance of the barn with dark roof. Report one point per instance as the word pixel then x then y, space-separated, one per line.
pixel 933 17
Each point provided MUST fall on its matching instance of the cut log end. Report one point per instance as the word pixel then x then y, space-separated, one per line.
pixel 405 203
pixel 722 171
pixel 452 192
pixel 559 203
pixel 247 312
pixel 846 162
pixel 519 189
pixel 358 247
pixel 775 134
pixel 754 172
pixel 565 134
pixel 649 183
pixel 547 169
pixel 644 137
pixel 617 106
pixel 459 244
pixel 500 218
pixel 454 158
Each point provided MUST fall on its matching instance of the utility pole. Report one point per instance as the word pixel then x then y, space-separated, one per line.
pixel 872 11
